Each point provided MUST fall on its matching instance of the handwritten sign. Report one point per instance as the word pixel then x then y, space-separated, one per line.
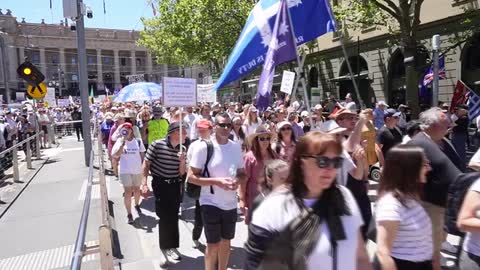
pixel 288 80
pixel 206 93
pixel 49 98
pixel 178 92
pixel 63 102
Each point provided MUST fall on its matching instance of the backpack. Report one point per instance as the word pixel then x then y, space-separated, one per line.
pixel 192 190
pixel 455 197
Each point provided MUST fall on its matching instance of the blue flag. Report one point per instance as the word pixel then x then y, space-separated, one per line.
pixel 281 49
pixel 428 76
pixel 473 105
pixel 310 18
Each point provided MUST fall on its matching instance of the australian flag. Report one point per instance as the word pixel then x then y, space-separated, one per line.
pixel 281 49
pixel 310 18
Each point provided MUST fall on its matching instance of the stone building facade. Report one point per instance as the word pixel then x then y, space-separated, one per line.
pixel 378 67
pixel 112 57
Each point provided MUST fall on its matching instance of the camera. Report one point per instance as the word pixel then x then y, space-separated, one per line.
pixel 89 13
pixel 124 132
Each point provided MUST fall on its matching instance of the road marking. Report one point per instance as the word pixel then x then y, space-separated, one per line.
pixel 45 259
pixel 95 189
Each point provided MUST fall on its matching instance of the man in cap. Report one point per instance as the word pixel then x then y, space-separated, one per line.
pixel 77 116
pixel 105 127
pixel 231 110
pixel 379 114
pixel 118 120
pixel 157 127
pixel 204 114
pixel 204 131
pixel 166 162
pixel 389 135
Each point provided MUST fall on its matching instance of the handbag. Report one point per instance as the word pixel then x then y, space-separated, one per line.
pixel 192 190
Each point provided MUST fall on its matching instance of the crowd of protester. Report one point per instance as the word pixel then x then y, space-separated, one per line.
pixel 299 178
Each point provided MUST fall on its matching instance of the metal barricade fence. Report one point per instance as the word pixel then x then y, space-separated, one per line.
pixel 69 128
pixel 9 157
pixel 104 248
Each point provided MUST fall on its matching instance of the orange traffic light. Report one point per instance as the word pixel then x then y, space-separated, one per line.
pixel 27 71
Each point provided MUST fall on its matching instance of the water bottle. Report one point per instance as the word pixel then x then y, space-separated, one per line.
pixel 232 172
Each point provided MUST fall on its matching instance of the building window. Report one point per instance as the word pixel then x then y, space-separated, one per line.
pixel 107 60
pixel 139 62
pixel 91 60
pixel 73 60
pixel 35 57
pixel 54 59
pixel 123 61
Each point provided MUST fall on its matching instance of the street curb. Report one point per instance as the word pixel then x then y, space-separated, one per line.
pixel 4 211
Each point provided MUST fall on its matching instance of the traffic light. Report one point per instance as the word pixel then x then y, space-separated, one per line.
pixel 30 73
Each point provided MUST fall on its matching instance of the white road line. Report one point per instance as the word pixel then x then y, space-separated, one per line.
pixel 95 189
pixel 45 259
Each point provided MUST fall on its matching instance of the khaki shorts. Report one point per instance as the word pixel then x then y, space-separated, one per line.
pixel 437 216
pixel 130 180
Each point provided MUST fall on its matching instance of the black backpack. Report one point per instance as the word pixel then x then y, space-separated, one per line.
pixel 192 190
pixel 456 195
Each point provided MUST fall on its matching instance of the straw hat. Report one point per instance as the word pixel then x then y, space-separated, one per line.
pixel 260 130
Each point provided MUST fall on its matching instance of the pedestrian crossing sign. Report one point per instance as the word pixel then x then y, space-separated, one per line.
pixel 37 91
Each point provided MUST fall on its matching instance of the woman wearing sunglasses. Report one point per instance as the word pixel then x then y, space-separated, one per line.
pixel 260 153
pixel 316 223
pixel 286 141
pixel 404 230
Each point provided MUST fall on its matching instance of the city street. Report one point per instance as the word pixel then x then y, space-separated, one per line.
pixel 42 223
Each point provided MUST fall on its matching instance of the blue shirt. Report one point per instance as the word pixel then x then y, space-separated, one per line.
pixel 105 127
pixel 378 120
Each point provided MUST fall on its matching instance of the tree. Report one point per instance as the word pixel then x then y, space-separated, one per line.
pixel 402 19
pixel 188 32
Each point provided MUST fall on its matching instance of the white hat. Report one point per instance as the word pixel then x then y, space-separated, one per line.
pixel 304 114
pixel 381 102
pixel 331 127
pixel 318 107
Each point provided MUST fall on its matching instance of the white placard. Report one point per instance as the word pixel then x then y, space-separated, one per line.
pixel 178 92
pixel 288 79
pixel 206 93
pixel 49 98
pixel 63 102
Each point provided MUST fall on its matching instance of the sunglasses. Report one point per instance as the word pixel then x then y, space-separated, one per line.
pixel 325 162
pixel 264 139
pixel 286 128
pixel 224 125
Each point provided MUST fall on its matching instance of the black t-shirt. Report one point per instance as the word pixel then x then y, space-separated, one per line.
pixel 388 138
pixel 461 125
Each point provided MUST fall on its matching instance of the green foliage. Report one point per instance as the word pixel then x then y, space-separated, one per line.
pixel 358 15
pixel 188 32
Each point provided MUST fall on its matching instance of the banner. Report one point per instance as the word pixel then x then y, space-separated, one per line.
pixel 206 93
pixel 63 102
pixel 20 96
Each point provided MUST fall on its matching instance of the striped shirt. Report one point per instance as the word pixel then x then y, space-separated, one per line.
pixel 413 241
pixel 163 159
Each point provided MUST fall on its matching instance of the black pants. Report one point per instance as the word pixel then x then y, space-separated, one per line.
pixel 167 203
pixel 405 265
pixel 79 131
pixel 198 225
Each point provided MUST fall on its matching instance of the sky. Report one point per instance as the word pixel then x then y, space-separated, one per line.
pixel 120 14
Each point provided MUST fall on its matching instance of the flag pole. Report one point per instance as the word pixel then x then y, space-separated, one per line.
pixel 300 72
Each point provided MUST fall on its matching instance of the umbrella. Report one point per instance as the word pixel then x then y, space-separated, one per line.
pixel 142 91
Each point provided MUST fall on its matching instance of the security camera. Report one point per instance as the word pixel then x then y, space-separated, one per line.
pixel 89 13
pixel 73 27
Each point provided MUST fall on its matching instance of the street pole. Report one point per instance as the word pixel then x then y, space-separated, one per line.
pixel 82 67
pixel 4 70
pixel 435 49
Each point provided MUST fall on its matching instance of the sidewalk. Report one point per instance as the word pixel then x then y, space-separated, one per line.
pixel 40 228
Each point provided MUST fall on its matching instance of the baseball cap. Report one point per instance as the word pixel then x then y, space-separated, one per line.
pixel 392 113
pixel 204 123
pixel 175 126
pixel 331 127
pixel 304 114
pixel 382 103
pixel 157 110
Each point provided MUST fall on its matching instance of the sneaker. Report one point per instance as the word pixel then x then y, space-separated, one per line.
pixel 139 210
pixel 164 262
pixel 196 244
pixel 174 254
pixel 448 248
pixel 129 219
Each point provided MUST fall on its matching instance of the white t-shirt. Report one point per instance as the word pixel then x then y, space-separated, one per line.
pixel 413 241
pixel 347 165
pixel 274 215
pixel 250 129
pixel 472 240
pixel 130 160
pixel 224 157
